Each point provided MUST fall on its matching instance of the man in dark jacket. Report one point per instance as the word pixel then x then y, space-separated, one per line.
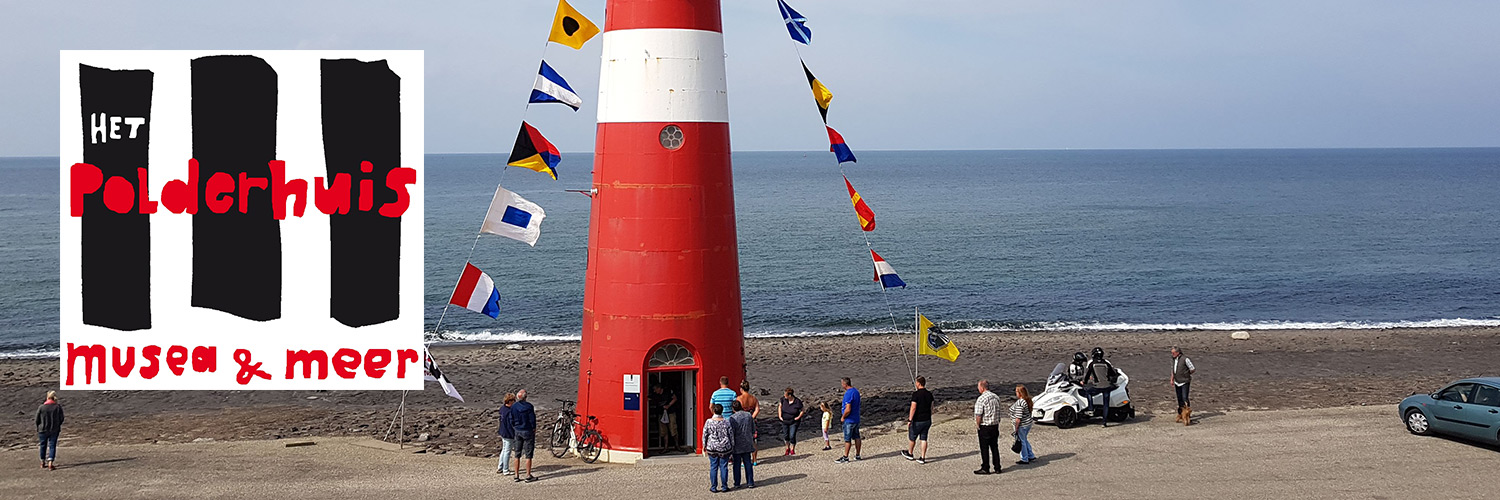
pixel 742 426
pixel 1097 375
pixel 523 424
pixel 49 420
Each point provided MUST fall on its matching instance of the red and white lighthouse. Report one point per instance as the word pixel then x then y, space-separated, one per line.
pixel 661 304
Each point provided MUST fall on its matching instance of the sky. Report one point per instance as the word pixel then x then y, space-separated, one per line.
pixel 936 74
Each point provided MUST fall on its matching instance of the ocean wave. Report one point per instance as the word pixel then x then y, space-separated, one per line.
pixel 30 353
pixel 459 337
pixel 1255 325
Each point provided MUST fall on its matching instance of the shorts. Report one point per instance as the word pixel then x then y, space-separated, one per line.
pixel 851 431
pixel 524 444
pixel 918 430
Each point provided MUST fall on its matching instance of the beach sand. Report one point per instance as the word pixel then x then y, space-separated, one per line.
pixel 1275 370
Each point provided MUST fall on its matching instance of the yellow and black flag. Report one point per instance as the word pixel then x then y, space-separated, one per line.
pixel 820 92
pixel 931 340
pixel 571 28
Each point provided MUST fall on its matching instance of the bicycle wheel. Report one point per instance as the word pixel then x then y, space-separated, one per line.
pixel 591 445
pixel 558 442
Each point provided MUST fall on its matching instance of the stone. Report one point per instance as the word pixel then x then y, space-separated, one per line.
pixel 423 437
pixel 203 440
pixel 1240 335
pixel 514 347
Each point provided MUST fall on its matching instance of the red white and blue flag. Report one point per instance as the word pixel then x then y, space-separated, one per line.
pixel 476 292
pixel 886 274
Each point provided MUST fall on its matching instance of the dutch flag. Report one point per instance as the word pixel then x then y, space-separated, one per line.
pixel 886 274
pixel 550 87
pixel 476 292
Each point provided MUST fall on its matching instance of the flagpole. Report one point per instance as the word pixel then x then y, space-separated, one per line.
pixel 916 341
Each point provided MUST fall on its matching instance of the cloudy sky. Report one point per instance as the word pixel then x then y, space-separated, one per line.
pixel 935 74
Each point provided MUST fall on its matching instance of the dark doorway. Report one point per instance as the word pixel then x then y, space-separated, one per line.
pixel 669 429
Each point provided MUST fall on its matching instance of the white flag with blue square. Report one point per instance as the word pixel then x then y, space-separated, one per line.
pixel 513 217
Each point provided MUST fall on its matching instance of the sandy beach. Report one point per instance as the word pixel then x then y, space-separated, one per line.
pixel 1274 370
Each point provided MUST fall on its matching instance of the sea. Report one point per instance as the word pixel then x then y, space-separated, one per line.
pixel 987 241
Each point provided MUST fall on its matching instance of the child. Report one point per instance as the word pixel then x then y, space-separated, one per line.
pixel 827 420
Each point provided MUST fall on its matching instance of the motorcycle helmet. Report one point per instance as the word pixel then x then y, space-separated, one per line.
pixel 1098 354
pixel 1079 358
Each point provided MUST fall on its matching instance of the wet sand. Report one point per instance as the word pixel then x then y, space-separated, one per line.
pixel 1276 370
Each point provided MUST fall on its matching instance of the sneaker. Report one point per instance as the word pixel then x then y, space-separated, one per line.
pixel 842 460
pixel 907 455
pixel 530 478
pixel 857 457
pixel 518 479
pixel 826 447
pixel 750 486
pixel 1022 462
pixel 982 471
pixel 922 460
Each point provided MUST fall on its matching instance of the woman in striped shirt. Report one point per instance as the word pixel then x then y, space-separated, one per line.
pixel 1020 414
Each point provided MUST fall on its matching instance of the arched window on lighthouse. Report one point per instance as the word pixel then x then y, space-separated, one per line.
pixel 671 355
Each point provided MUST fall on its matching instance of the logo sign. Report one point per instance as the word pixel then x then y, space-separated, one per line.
pixel 241 220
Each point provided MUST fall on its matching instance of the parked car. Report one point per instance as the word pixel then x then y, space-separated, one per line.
pixel 1468 408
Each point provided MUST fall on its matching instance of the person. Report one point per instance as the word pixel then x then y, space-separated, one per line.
pixel 663 402
pixel 790 409
pixel 987 423
pixel 49 420
pixel 742 425
pixel 1020 415
pixel 850 418
pixel 751 404
pixel 723 397
pixel 1100 375
pixel 918 421
pixel 718 444
pixel 507 435
pixel 1076 369
pixel 1182 378
pixel 523 423
pixel 827 421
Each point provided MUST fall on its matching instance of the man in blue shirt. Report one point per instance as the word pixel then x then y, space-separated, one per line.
pixel 723 396
pixel 523 424
pixel 851 421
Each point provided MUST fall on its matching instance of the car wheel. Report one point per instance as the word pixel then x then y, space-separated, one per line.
pixel 1065 417
pixel 1416 423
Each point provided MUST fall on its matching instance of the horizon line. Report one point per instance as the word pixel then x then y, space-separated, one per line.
pixel 1317 148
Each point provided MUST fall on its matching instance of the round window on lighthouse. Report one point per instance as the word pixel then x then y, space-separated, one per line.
pixel 671 137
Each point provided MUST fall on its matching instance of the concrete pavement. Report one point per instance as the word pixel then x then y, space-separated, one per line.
pixel 1356 452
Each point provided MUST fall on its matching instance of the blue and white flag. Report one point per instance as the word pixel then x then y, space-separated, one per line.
pixel 794 24
pixel 550 87
pixel 513 217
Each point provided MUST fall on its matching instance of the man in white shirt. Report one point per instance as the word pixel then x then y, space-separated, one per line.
pixel 1182 378
pixel 987 422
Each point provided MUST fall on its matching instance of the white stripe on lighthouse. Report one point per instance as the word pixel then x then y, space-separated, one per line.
pixel 663 75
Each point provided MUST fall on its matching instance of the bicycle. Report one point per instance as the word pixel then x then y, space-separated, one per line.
pixel 572 433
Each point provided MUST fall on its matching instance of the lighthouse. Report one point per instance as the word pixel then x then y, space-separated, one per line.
pixel 661 303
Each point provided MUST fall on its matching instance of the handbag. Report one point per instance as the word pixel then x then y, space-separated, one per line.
pixel 1015 447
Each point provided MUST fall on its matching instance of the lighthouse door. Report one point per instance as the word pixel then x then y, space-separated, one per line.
pixel 671 396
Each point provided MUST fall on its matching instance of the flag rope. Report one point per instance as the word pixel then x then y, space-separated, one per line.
pixel 895 326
